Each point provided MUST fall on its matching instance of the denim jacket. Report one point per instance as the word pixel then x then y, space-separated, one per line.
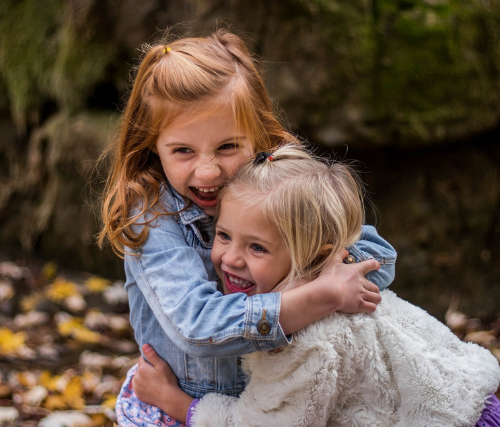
pixel 176 308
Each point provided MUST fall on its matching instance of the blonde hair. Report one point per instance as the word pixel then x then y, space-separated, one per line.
pixel 312 202
pixel 183 76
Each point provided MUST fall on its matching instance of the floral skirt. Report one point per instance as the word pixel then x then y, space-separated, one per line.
pixel 131 412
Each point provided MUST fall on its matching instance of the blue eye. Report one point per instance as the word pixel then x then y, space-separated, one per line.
pixel 257 248
pixel 223 236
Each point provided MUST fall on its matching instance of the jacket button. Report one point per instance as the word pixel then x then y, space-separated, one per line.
pixel 349 260
pixel 264 327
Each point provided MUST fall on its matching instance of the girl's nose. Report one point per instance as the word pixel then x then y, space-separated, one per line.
pixel 207 170
pixel 233 258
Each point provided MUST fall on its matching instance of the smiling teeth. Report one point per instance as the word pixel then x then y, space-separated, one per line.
pixel 243 284
pixel 207 190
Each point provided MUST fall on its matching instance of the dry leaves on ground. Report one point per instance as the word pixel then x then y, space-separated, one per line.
pixel 65 347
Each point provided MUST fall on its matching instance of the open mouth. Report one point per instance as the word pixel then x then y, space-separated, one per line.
pixel 236 284
pixel 205 197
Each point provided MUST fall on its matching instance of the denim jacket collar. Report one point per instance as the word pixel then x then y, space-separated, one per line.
pixel 187 216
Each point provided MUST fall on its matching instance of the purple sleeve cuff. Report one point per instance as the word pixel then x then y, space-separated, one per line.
pixel 190 412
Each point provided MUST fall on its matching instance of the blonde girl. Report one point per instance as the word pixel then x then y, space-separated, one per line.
pixel 281 220
pixel 197 111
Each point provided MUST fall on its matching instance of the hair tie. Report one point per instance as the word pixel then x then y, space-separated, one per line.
pixel 167 49
pixel 261 157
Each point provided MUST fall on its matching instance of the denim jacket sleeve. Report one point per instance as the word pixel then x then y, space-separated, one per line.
pixel 372 246
pixel 172 276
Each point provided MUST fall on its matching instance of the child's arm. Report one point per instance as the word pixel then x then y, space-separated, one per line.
pixel 172 277
pixel 155 384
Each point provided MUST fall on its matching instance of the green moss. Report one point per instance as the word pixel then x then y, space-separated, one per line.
pixel 81 63
pixel 423 70
pixel 44 55
pixel 439 66
pixel 28 46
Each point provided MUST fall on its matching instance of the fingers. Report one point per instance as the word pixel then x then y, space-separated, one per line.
pixel 371 287
pixel 368 265
pixel 341 255
pixel 367 307
pixel 151 355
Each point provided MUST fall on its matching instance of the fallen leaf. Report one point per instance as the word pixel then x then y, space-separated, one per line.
pixel 119 362
pixel 66 324
pixel 97 284
pixel 118 323
pixel 61 289
pixel 9 269
pixel 85 335
pixel 8 413
pixel 455 320
pixel 35 395
pixel 96 319
pixel 48 351
pixel 73 393
pixel 11 342
pixel 483 338
pixel 90 380
pixel 49 270
pixel 29 302
pixel 6 290
pixel 27 379
pixel 87 358
pixel 4 391
pixel 110 402
pixel 66 419
pixel 116 293
pixel 33 318
pixel 55 402
pixel 75 302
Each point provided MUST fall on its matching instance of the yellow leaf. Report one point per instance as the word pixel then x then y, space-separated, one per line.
pixel 85 335
pixel 73 393
pixel 97 284
pixel 52 383
pixel 55 402
pixel 68 326
pixel 99 419
pixel 109 402
pixel 10 341
pixel 47 381
pixel 49 270
pixel 27 378
pixel 29 302
pixel 61 289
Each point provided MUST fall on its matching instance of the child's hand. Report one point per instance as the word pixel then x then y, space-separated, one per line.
pixel 156 384
pixel 352 291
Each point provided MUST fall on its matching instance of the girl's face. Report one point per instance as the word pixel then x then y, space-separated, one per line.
pixel 198 155
pixel 248 252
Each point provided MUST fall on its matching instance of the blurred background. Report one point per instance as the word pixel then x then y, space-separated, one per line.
pixel 410 88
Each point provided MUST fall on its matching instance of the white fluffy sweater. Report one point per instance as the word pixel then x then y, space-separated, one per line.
pixel 397 367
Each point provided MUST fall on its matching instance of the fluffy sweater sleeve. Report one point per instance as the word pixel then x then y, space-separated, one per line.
pixel 293 388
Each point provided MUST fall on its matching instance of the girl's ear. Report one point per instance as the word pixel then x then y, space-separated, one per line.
pixel 325 250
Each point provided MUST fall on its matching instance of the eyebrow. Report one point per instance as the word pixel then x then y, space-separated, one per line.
pixel 231 138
